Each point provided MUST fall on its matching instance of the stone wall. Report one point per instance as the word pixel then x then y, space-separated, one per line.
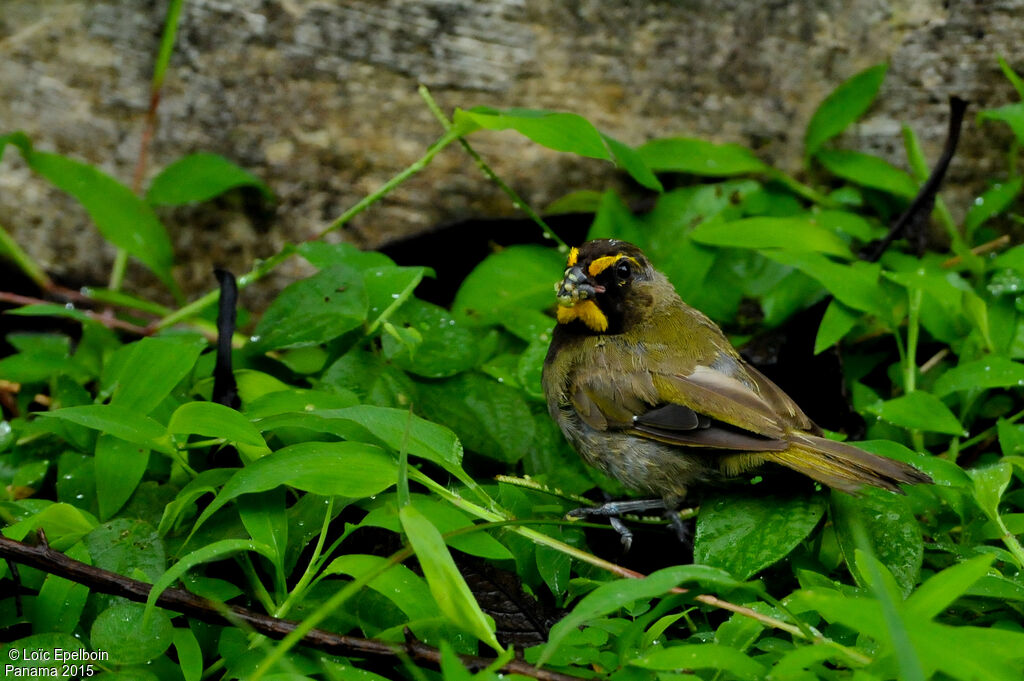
pixel 319 99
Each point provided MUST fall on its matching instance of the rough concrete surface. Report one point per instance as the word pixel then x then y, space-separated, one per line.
pixel 319 99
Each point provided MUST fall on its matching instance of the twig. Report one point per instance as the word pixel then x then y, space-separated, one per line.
pixel 106 320
pixel 42 557
pixel 987 247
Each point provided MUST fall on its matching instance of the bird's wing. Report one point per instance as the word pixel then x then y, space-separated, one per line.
pixel 716 406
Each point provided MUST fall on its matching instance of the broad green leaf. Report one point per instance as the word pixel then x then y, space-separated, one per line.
pixel 561 132
pixel 699 157
pixel 314 310
pixel 703 656
pixel 842 107
pixel 1011 75
pixel 207 482
pixel 854 284
pixel 611 596
pixel 919 411
pixel 488 417
pixel 119 468
pixel 891 530
pixel 582 201
pixel 153 367
pixel 989 372
pixel 448 345
pixel 388 287
pixel 399 584
pixel 127 546
pixel 123 633
pixel 868 171
pixel 449 589
pixel 837 321
pixel 1011 114
pixel 513 278
pixel 992 202
pixel 745 534
pixel 200 177
pixel 323 255
pixel 990 483
pixel 614 220
pixel 121 217
pixel 942 589
pixel 214 420
pixel 845 222
pixel 348 469
pixel 64 525
pixel 121 422
pixel 795 234
pixel 372 379
pixel 298 399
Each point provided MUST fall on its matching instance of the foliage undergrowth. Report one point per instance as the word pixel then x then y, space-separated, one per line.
pixel 370 417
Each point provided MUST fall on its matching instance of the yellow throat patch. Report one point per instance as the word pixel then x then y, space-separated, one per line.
pixel 587 312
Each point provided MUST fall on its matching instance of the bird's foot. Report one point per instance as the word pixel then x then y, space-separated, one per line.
pixel 613 510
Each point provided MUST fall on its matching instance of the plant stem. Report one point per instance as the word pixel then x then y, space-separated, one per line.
pixel 517 201
pixel 910 357
pixel 23 261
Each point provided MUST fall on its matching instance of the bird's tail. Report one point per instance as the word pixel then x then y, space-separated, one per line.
pixel 843 466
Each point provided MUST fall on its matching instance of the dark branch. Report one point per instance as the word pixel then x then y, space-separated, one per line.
pixel 911 223
pixel 42 557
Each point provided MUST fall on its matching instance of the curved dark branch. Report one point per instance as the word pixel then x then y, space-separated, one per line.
pixel 42 557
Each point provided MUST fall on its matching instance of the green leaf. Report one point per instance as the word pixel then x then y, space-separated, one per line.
pixel 449 589
pixel 1011 114
pixel 1011 75
pixel 128 638
pixel 388 287
pixel 992 202
pixel 941 590
pixel 611 596
pixel 60 602
pixel 892 532
pixel 64 525
pixel 703 656
pixel 128 546
pixel 699 157
pixel 121 217
pixel 200 177
pixel 559 131
pixel 990 483
pixel 919 411
pixel 214 420
pixel 989 372
pixel 868 171
pixel 399 584
pixel 119 468
pixel 15 663
pixel 837 321
pixel 209 553
pixel 264 518
pixel 448 344
pixel 190 655
pixel 348 469
pixel 513 278
pixel 371 378
pixel 314 310
pixel 118 421
pixel 490 418
pixel 154 366
pixel 842 107
pixel 745 534
pixel 629 160
pixel 854 284
pixel 795 234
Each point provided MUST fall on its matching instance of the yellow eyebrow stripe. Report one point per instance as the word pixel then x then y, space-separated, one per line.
pixel 574 254
pixel 604 262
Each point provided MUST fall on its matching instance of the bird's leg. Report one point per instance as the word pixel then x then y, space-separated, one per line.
pixel 613 509
pixel 677 524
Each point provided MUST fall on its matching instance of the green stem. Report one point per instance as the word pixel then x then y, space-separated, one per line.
pixel 23 261
pixel 311 568
pixel 1009 540
pixel 517 201
pixel 910 358
pixel 800 189
pixel 446 139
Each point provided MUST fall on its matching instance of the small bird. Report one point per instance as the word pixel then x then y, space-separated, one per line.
pixel 651 392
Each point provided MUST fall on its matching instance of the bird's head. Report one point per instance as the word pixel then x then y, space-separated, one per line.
pixel 607 286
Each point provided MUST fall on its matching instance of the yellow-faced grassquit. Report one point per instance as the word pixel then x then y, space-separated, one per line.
pixel 651 392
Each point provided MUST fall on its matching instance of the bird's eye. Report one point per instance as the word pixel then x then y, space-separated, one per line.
pixel 623 271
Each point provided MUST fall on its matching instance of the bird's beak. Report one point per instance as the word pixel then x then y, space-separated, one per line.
pixel 576 287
